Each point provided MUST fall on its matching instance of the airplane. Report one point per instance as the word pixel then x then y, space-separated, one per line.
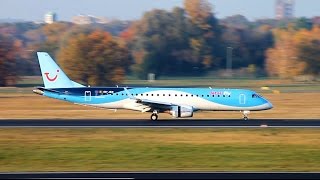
pixel 178 102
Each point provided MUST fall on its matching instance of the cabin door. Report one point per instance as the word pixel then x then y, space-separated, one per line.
pixel 242 99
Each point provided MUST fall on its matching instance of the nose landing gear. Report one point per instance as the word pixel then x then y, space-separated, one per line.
pixel 245 115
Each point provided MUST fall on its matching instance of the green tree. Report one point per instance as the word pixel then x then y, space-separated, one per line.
pixel 183 41
pixel 308 49
pixel 161 43
pixel 249 44
pixel 94 59
pixel 310 53
pixel 205 37
pixel 236 21
pixel 303 23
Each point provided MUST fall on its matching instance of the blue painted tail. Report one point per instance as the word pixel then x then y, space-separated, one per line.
pixel 52 75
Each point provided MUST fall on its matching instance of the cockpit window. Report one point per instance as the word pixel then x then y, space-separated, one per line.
pixel 256 96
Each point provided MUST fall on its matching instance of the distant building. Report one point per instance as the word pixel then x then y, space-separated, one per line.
pixel 316 20
pixel 50 17
pixel 284 9
pixel 88 19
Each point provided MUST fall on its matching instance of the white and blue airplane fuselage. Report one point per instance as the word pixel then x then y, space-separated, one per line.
pixel 179 102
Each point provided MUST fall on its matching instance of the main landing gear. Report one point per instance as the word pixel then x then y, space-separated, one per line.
pixel 154 115
pixel 245 115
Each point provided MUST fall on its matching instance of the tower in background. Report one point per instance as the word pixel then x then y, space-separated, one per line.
pixel 284 9
pixel 50 17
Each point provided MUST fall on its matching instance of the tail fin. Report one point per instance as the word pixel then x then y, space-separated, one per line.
pixel 52 75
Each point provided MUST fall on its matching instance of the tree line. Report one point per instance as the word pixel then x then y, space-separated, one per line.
pixel 184 41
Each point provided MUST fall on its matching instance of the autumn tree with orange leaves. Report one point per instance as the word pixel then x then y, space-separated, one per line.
pixel 294 53
pixel 282 58
pixel 308 44
pixel 94 59
pixel 9 50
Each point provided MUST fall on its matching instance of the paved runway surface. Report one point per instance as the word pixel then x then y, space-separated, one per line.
pixel 161 123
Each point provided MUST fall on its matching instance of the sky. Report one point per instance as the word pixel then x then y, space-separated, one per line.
pixel 34 10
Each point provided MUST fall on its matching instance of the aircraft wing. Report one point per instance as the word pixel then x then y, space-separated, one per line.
pixel 152 104
pixel 158 105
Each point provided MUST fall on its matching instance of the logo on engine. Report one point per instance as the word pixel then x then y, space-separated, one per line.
pixel 52 79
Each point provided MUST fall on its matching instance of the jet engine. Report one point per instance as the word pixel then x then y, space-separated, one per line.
pixel 181 111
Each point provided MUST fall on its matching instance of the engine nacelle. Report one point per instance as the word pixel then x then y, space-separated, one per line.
pixel 181 111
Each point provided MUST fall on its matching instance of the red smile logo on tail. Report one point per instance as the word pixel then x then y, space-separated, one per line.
pixel 52 79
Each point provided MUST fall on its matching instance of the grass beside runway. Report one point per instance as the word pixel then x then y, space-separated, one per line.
pixel 168 149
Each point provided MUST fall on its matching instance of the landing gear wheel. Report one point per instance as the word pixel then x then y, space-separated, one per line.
pixel 245 115
pixel 154 117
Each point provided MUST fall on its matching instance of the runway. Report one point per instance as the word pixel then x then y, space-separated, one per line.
pixel 121 123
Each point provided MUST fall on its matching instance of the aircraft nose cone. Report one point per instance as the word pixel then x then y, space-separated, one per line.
pixel 270 106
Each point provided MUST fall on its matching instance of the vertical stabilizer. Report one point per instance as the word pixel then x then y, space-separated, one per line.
pixel 52 75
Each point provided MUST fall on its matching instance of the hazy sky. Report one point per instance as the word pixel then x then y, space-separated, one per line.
pixel 134 9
